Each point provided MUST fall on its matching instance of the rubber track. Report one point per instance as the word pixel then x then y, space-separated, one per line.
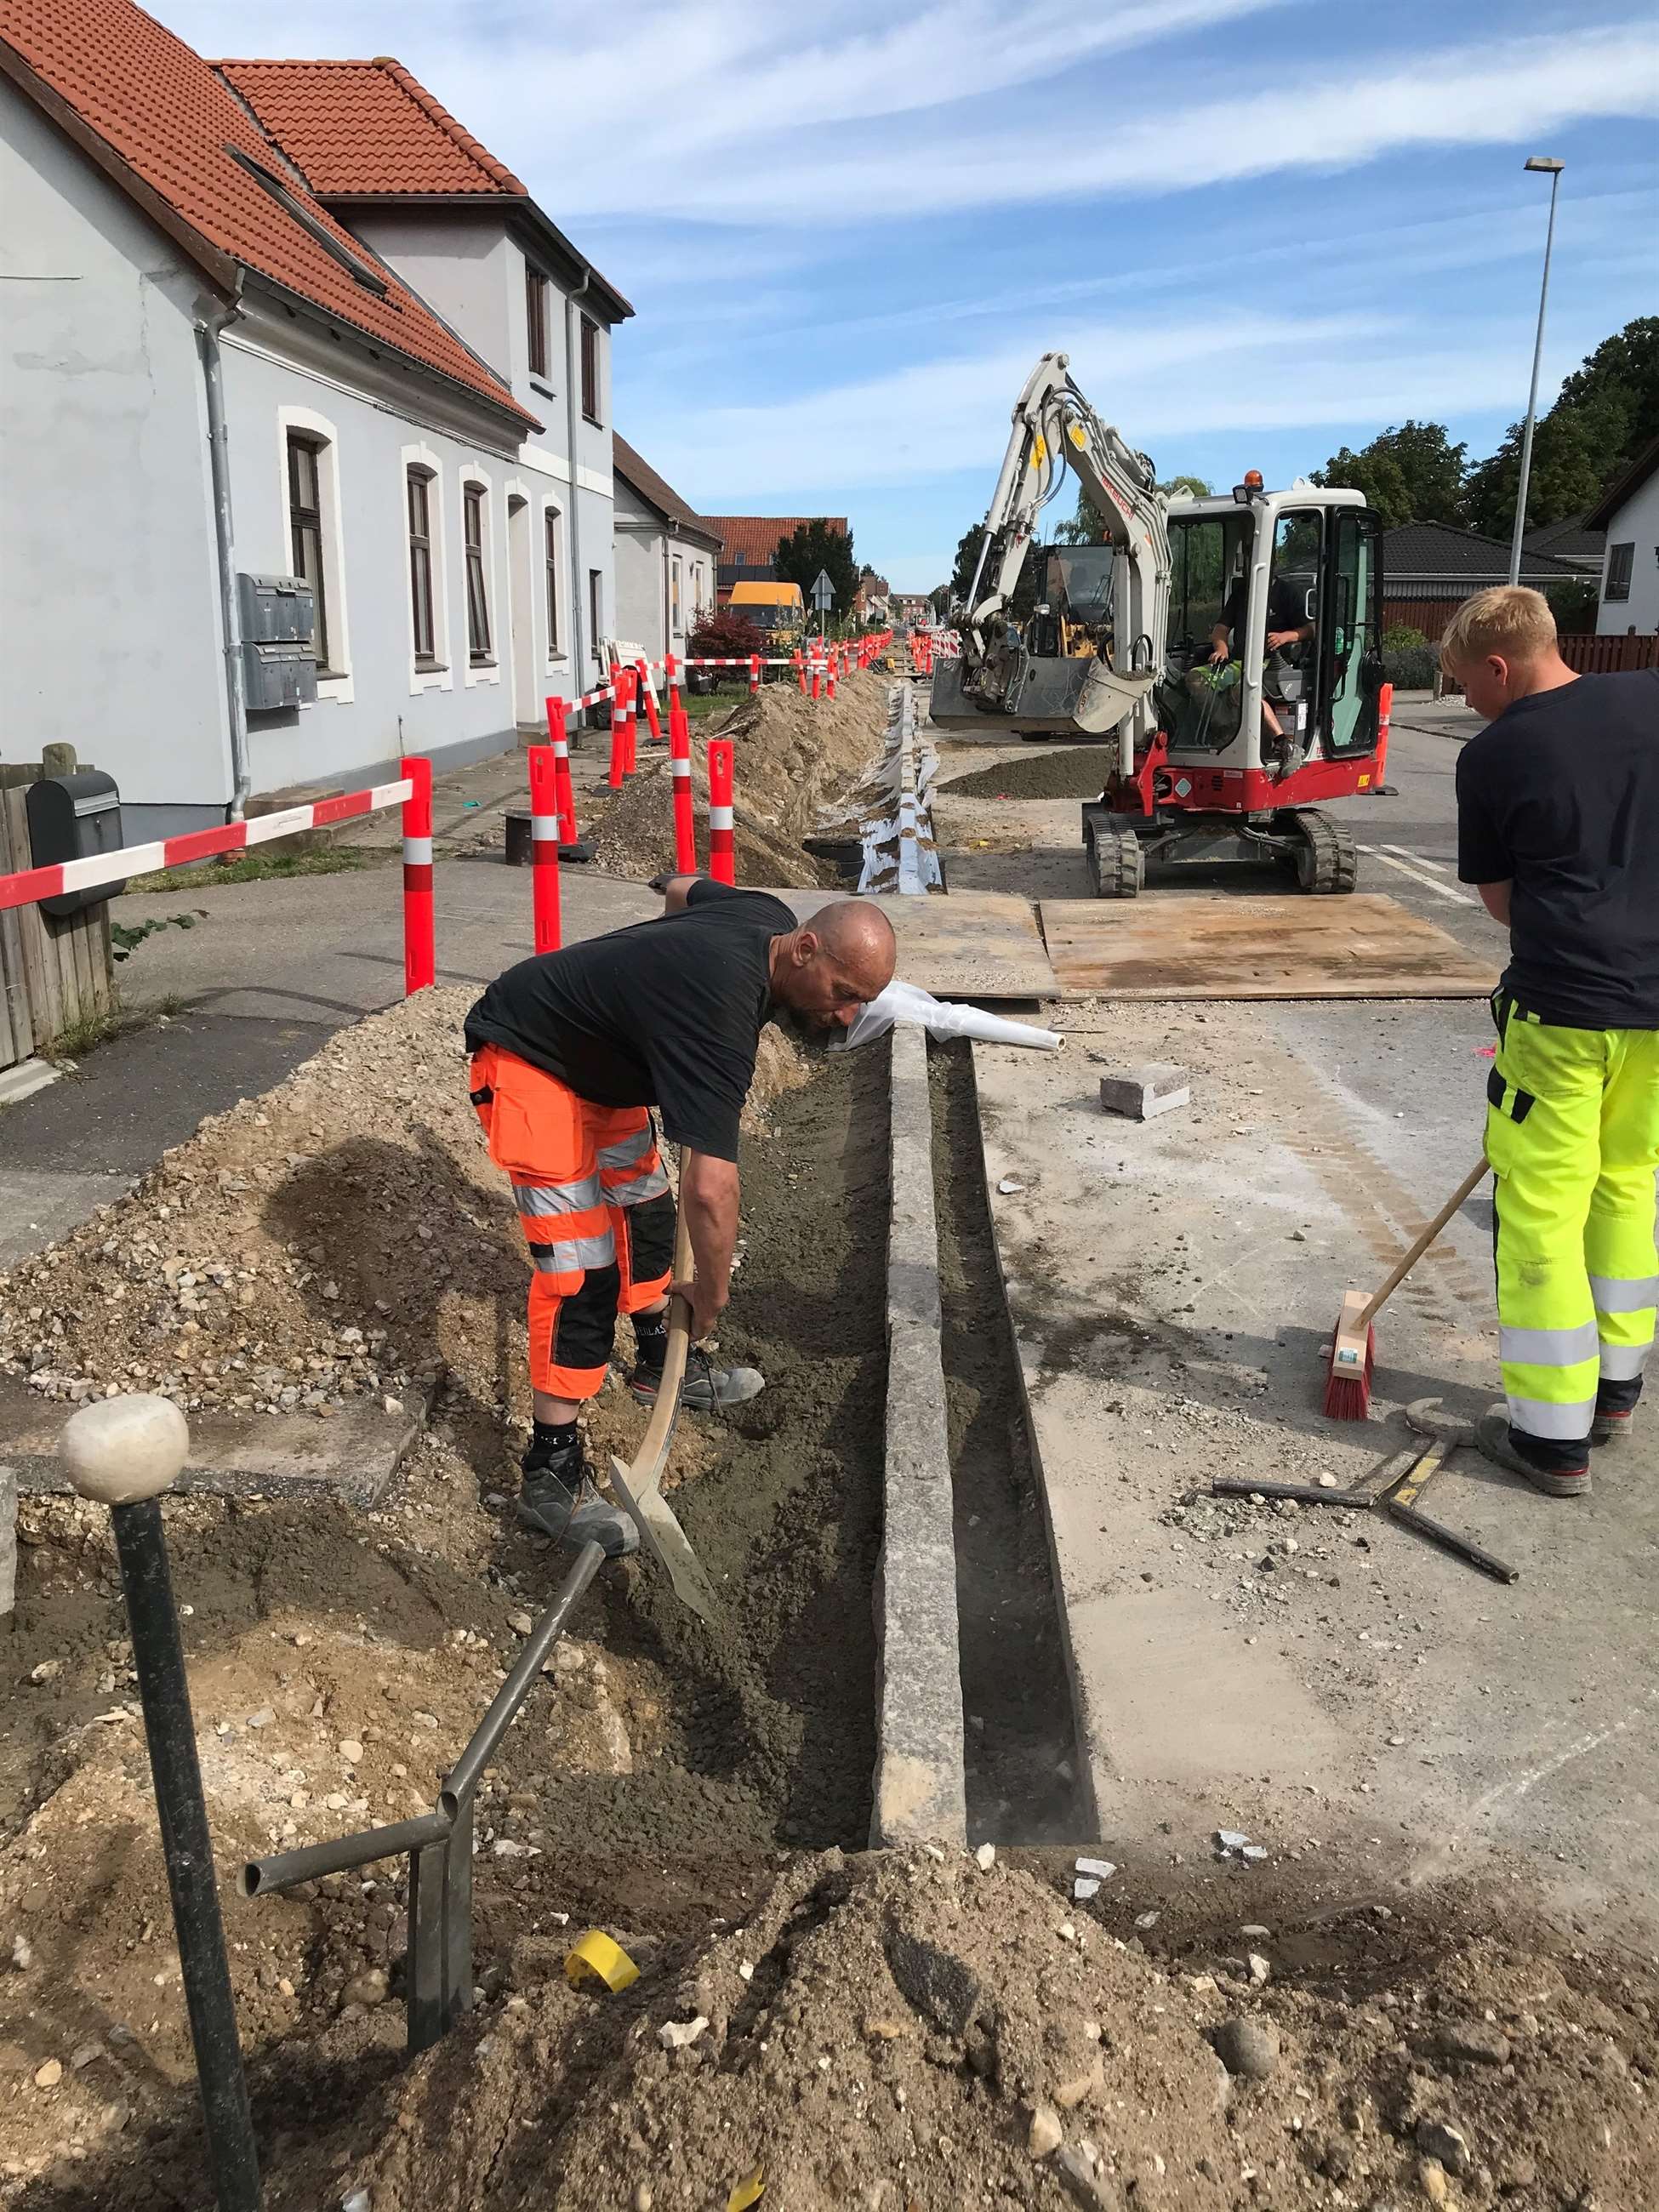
pixel 1116 863
pixel 1336 856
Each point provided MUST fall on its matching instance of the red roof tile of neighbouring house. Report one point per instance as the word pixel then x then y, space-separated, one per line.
pixel 367 128
pixel 155 117
pixel 751 539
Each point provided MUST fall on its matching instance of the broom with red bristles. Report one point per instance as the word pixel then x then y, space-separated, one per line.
pixel 1353 1346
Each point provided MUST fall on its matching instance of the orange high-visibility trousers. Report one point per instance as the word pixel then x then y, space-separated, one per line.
pixel 595 1207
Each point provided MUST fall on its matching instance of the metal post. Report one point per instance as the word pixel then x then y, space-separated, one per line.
pixel 1554 168
pixel 124 1452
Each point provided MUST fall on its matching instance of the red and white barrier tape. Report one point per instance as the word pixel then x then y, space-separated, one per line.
pixel 101 868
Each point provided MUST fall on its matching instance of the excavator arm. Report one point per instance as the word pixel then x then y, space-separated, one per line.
pixel 1056 428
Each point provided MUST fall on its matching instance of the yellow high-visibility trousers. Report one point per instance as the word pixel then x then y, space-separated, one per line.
pixel 1572 1134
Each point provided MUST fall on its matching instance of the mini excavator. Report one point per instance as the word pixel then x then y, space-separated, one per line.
pixel 1231 645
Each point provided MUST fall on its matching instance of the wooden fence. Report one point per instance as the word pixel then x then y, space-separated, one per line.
pixel 53 973
pixel 1605 655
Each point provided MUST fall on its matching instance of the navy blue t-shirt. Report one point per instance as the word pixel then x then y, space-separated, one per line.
pixel 1560 796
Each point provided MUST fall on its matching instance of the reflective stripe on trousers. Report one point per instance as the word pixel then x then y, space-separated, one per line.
pixel 631 1170
pixel 1572 1134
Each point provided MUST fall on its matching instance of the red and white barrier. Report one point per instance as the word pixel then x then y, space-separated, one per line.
pixel 723 847
pixel 642 673
pixel 32 884
pixel 618 735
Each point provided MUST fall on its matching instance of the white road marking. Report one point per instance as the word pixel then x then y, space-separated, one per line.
pixel 1421 859
pixel 1430 883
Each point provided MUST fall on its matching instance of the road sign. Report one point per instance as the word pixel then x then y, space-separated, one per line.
pixel 824 591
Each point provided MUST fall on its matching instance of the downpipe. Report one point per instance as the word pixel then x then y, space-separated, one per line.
pixel 208 333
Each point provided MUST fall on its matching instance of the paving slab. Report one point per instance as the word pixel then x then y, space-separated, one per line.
pixel 352 1455
pixel 1320 1679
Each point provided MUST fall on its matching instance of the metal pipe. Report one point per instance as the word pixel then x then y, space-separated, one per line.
pixel 1532 396
pixel 207 343
pixel 187 1849
pixel 463 1776
pixel 341 1853
pixel 579 611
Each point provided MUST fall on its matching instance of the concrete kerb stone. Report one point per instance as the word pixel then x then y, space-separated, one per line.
pixel 920 1792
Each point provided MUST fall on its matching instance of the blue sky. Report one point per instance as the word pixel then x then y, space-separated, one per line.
pixel 1261 227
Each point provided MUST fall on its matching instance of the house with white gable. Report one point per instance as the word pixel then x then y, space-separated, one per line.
pixel 285 346
pixel 1629 513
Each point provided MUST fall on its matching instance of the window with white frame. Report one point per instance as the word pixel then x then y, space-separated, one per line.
pixel 314 542
pixel 596 613
pixel 420 490
pixel 674 615
pixel 475 540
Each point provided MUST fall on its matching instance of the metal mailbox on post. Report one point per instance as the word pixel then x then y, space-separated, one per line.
pixel 73 817
pixel 279 667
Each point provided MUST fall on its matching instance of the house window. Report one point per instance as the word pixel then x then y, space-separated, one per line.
pixel 674 595
pixel 420 568
pixel 1621 559
pixel 535 308
pixel 305 515
pixel 590 368
pixel 596 611
pixel 552 563
pixel 477 594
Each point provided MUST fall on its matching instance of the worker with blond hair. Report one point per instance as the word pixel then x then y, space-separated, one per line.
pixel 1557 828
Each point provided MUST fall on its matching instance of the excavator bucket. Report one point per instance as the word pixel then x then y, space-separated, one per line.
pixel 948 706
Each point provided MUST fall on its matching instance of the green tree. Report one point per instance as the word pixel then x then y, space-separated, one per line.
pixel 812 546
pixel 1086 528
pixel 961 576
pixel 1413 473
pixel 939 601
pixel 1603 416
pixel 1188 487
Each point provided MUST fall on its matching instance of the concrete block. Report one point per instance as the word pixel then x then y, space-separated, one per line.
pixel 921 1792
pixel 1157 1088
pixel 22 1081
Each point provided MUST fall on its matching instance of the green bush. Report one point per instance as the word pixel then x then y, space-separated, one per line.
pixel 1401 637
pixel 1410 667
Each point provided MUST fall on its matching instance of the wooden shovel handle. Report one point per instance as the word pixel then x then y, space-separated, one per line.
pixel 654 1445
pixel 1402 1267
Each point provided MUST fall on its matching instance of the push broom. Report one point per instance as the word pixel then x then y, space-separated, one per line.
pixel 1353 1348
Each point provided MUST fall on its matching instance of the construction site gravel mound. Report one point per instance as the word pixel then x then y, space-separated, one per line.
pixel 922 2032
pixel 796 759
pixel 1065 772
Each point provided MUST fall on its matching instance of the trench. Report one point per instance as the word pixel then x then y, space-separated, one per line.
pixel 768 1725
pixel 1022 1771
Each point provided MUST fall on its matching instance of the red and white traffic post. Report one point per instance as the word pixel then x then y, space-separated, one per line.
pixel 642 677
pixel 618 733
pixel 722 848
pixel 558 738
pixel 544 845
pixel 754 674
pixel 679 767
pixel 420 929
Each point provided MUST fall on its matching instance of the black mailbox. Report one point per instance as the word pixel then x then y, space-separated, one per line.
pixel 73 817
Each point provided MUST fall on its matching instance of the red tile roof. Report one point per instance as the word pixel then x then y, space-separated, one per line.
pixel 366 128
pixel 753 539
pixel 155 116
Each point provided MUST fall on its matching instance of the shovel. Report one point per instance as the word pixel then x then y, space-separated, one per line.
pixel 638 1487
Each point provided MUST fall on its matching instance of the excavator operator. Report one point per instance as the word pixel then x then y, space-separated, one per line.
pixel 1287 624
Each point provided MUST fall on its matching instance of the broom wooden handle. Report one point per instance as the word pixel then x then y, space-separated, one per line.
pixel 1415 1252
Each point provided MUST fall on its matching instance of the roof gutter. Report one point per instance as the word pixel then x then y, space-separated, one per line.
pixel 209 329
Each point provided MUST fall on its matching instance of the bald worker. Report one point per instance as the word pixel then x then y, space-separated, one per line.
pixel 569 1053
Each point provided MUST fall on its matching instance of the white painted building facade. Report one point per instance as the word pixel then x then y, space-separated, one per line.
pixel 1630 571
pixel 462 558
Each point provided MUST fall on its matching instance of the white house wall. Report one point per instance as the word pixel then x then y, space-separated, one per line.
pixel 379 703
pixel 107 570
pixel 1637 523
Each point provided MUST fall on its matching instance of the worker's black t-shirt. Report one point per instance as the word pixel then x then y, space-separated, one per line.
pixel 668 1013
pixel 1286 610
pixel 1560 795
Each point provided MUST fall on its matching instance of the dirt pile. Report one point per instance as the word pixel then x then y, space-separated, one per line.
pixel 1065 772
pixel 340 1238
pixel 339 1660
pixel 919 2033
pixel 795 760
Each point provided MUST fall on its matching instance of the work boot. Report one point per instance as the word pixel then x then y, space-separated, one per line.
pixel 706 1388
pixel 1495 1442
pixel 559 1500
pixel 1612 1428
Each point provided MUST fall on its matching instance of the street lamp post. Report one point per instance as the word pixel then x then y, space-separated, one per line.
pixel 1552 169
